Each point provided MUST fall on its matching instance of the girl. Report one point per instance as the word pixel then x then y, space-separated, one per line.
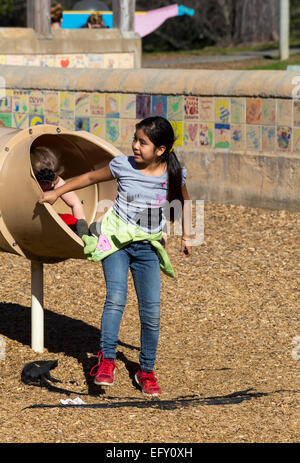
pixel 147 181
pixel 47 170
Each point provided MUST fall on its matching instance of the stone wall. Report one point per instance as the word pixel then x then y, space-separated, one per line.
pixel 238 132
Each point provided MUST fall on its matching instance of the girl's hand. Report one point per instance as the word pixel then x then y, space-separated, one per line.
pixel 48 197
pixel 186 248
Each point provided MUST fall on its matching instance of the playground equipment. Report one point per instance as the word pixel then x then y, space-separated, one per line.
pixel 36 231
pixel 145 21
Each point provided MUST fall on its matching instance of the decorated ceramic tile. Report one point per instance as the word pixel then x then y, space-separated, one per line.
pixel 36 102
pixel 79 61
pixel 143 106
pixel 175 106
pixel 296 134
pixel 297 113
pixel 48 61
pixel 51 102
pixel 35 119
pixel 112 130
pixel 20 121
pixel 2 59
pixel 254 111
pixel 284 112
pixel 82 123
pixel 97 126
pixel 6 101
pixel 237 136
pixel 15 60
pixel 20 101
pixel 32 60
pixel 67 105
pixel 268 138
pixel 284 138
pixel 127 131
pixel 97 104
pixel 238 110
pixel 82 104
pixel 67 123
pixel 126 60
pixel 222 110
pixel 206 135
pixel 51 119
pixel 95 61
pixel 159 105
pixel 268 111
pixel 207 109
pixel 191 107
pixel 110 61
pixel 112 105
pixel 222 135
pixel 178 131
pixel 5 120
pixel 191 134
pixel 63 61
pixel 127 106
pixel 253 137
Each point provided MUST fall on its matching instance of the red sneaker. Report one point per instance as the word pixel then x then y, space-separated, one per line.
pixel 148 383
pixel 106 371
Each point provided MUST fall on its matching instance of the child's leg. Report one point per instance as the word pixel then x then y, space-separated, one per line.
pixel 115 269
pixel 146 274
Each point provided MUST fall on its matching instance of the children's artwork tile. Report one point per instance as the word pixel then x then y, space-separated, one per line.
pixel 284 138
pixel 296 139
pixel 111 61
pixel 97 104
pixel 126 60
pixel 35 119
pixel 127 131
pixel 51 119
pixel 82 123
pixel 191 107
pixel 112 130
pixel 95 61
pixel 206 135
pixel 5 120
pixel 15 60
pixel 20 121
pixel 268 111
pixel 159 105
pixel 143 106
pixel 206 109
pixel 297 113
pixel 2 59
pixel 178 132
pixel 268 138
pixel 82 104
pixel 112 105
pixel 67 105
pixel 284 112
pixel 222 110
pixel 6 101
pixel 97 126
pixel 175 106
pixel 254 111
pixel 63 61
pixel 253 137
pixel 36 102
pixel 237 137
pixel 222 135
pixel 67 123
pixel 238 110
pixel 51 102
pixel 20 101
pixel 191 134
pixel 46 61
pixel 79 61
pixel 127 106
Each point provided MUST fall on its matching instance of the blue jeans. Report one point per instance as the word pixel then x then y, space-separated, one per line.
pixel 143 262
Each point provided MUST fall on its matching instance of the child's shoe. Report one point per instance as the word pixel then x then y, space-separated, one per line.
pixel 106 371
pixel 81 228
pixel 148 383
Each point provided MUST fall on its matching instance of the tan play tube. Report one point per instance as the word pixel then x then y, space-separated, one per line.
pixel 34 230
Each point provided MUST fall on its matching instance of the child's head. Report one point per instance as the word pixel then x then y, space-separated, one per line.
pixel 160 132
pixel 46 166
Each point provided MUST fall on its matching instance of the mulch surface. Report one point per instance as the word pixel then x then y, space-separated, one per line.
pixel 227 359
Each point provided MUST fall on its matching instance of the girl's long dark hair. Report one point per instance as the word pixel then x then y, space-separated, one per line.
pixel 160 132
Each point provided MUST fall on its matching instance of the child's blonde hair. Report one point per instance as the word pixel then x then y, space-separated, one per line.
pixel 43 157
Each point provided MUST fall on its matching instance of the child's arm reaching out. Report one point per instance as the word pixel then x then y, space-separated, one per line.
pixel 90 178
pixel 72 200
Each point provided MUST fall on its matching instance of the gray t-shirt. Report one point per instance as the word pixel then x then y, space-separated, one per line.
pixel 141 198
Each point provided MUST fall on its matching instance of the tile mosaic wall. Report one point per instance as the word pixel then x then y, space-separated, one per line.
pixel 200 123
pixel 89 60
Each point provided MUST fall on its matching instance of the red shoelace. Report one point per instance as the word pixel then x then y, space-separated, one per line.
pixel 104 365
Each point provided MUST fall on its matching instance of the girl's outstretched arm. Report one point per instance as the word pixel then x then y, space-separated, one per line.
pixel 90 178
pixel 186 247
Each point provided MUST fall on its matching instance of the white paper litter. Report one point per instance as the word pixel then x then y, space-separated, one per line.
pixel 77 401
